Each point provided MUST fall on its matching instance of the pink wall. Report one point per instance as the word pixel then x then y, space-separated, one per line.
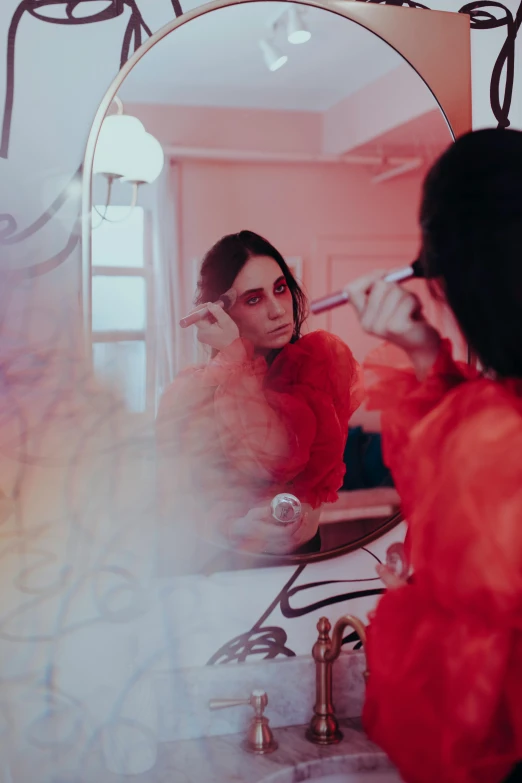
pixel 294 205
pixel 300 207
pixel 236 129
pixel 392 100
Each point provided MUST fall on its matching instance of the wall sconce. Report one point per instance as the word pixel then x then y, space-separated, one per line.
pixel 126 152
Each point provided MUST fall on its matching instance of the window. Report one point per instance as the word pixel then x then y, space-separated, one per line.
pixel 121 303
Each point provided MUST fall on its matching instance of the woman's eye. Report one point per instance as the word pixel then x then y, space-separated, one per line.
pixel 281 288
pixel 253 300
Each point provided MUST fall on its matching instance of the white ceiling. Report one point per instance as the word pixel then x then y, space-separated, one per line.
pixel 215 60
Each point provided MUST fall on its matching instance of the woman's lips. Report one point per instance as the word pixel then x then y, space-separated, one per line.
pixel 280 328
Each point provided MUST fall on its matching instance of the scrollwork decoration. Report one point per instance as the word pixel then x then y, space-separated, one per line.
pixel 271 641
pixel 71 12
pixel 484 15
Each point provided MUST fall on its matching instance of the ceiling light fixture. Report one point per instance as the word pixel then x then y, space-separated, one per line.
pixel 297 31
pixel 274 58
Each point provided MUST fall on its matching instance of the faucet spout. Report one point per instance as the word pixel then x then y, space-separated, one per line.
pixel 324 726
pixel 347 621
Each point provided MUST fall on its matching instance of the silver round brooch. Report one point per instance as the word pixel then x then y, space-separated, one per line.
pixel 286 508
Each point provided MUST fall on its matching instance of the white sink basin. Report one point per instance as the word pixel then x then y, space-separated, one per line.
pixel 362 776
pixel 383 775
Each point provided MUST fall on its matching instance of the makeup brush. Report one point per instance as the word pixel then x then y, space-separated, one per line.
pixel 227 299
pixel 342 297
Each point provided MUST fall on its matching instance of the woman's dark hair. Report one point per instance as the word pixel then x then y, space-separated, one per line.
pixel 223 262
pixel 471 221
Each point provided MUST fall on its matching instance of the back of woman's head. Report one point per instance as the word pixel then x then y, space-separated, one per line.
pixel 471 221
pixel 223 262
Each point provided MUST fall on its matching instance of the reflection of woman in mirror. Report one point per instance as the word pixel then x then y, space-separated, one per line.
pixel 444 696
pixel 269 413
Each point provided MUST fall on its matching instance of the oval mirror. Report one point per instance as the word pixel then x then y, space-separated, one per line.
pixel 293 122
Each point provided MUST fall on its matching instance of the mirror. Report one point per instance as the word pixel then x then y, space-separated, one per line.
pixel 298 124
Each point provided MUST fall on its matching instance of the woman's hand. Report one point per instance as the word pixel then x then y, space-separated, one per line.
pixel 391 582
pixel 258 532
pixel 386 310
pixel 389 578
pixel 217 329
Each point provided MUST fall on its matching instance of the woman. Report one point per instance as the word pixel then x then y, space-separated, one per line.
pixel 269 413
pixel 444 695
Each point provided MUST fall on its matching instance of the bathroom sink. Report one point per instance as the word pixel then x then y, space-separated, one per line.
pixel 386 775
pixel 361 776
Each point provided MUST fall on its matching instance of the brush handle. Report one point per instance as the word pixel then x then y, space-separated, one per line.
pixel 194 317
pixel 226 300
pixel 329 302
pixel 341 297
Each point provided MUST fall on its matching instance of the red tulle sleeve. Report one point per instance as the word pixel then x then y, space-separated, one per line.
pixel 444 696
pixel 393 388
pixel 285 422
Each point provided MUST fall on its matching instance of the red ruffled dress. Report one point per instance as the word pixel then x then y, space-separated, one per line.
pixel 237 431
pixel 444 695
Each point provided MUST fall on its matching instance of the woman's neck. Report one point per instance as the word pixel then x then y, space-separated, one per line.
pixel 264 353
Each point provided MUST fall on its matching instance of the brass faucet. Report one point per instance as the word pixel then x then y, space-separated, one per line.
pixel 259 739
pixel 324 726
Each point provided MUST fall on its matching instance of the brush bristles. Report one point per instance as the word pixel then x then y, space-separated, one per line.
pixel 229 298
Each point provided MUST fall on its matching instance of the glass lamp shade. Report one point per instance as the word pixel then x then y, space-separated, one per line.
pixel 119 138
pixel 147 161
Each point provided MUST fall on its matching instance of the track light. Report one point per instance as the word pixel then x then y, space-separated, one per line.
pixel 297 32
pixel 274 58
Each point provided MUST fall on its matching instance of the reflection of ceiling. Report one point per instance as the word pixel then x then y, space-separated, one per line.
pixel 424 136
pixel 215 60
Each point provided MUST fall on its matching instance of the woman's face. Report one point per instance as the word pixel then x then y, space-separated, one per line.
pixel 263 310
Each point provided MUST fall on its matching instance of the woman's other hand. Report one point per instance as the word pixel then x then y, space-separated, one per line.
pixel 257 531
pixel 389 578
pixel 389 311
pixel 217 329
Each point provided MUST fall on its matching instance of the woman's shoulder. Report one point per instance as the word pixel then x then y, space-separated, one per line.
pixel 480 417
pixel 320 337
pixel 321 360
pixel 486 397
pixel 321 344
pixel 466 498
pixel 189 376
pixel 183 392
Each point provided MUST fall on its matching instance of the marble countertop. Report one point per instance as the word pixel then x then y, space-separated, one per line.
pixel 222 760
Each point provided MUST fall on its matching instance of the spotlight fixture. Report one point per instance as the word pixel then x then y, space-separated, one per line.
pixel 274 58
pixel 297 31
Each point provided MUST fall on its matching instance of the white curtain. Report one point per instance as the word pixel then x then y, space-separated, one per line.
pixel 166 280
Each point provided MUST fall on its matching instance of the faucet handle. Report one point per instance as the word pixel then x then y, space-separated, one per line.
pixel 259 739
pixel 257 699
pixel 220 704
